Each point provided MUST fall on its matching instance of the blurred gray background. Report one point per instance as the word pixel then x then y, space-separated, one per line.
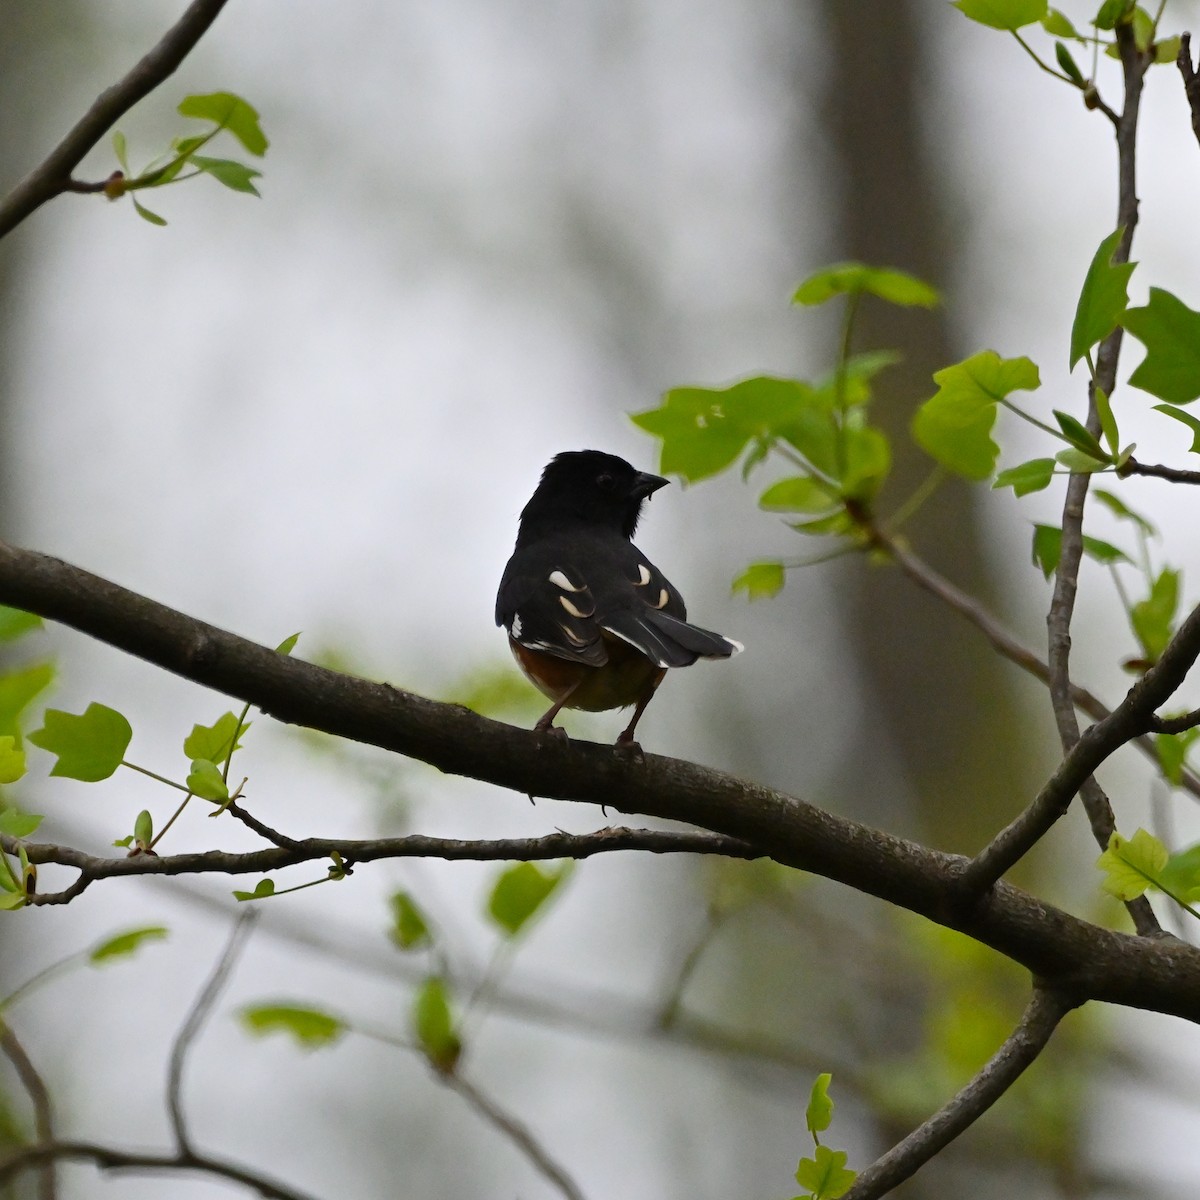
pixel 489 232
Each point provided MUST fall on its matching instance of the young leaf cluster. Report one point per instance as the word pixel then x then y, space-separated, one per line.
pixel 183 160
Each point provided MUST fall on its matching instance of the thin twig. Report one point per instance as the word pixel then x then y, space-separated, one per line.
pixel 39 1098
pixel 1133 716
pixel 1158 471
pixel 1020 1049
pixel 111 1158
pixel 53 176
pixel 190 1028
pixel 1066 578
pixel 554 845
pixel 515 1131
pixel 1191 84
pixel 1007 646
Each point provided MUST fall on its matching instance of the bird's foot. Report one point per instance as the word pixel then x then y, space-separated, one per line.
pixel 628 748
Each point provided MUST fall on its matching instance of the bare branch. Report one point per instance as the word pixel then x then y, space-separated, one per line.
pixel 110 1158
pixel 53 176
pixel 1133 716
pixel 1191 84
pixel 1152 974
pixel 292 853
pixel 925 577
pixel 1066 576
pixel 192 1024
pixel 1180 724
pixel 39 1098
pixel 515 1131
pixel 1046 1008
pixel 1156 471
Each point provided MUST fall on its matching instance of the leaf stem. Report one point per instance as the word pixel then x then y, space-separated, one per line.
pixel 179 787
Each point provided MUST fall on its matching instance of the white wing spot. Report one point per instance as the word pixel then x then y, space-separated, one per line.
pixel 515 628
pixel 559 579
pixel 571 608
pixel 643 576
pixel 662 599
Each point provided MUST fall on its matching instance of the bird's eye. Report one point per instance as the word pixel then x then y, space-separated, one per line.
pixel 605 482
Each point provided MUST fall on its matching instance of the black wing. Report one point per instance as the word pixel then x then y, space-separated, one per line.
pixel 564 595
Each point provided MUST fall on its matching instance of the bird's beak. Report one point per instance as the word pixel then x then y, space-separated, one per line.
pixel 645 484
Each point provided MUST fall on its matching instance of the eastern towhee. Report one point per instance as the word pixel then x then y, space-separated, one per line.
pixel 591 620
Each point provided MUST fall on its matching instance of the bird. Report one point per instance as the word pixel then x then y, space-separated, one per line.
pixel 591 621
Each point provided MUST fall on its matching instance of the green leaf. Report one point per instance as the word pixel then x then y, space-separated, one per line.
pixel 143 828
pixel 264 889
pixel 1181 875
pixel 12 759
pixel 520 891
pixel 18 689
pixel 15 623
pixel 433 1025
pixel 125 944
pixel 1167 50
pixel 17 824
pixel 1172 751
pixel 760 580
pixel 819 1113
pixel 1080 436
pixel 1103 299
pixel 801 493
pixel 1108 422
pixel 204 780
pixel 835 525
pixel 1112 12
pixel 1047 548
pixel 287 645
pixel 1069 67
pixel 1186 418
pixel 868 459
pixel 854 278
pixel 1153 619
pixel 955 424
pixel 234 175
pixel 704 430
pixel 1143 29
pixel 121 150
pixel 215 742
pixel 229 112
pixel 311 1028
pixel 409 927
pixel 1056 24
pixel 1122 511
pixel 90 746
pixel 1170 332
pixel 146 214
pixel 1031 476
pixel 825 1175
pixel 1078 462
pixel 1104 552
pixel 1132 865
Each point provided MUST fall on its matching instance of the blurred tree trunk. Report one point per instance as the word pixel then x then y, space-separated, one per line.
pixel 942 699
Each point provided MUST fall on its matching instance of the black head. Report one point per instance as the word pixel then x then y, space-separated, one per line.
pixel 591 487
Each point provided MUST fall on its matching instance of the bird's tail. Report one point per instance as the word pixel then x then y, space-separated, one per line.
pixel 670 642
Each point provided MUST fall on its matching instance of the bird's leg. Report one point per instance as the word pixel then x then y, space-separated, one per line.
pixel 625 740
pixel 546 721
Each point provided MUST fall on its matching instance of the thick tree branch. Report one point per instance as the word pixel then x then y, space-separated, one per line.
pixel 53 177
pixel 1046 1008
pixel 292 853
pixel 1075 956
